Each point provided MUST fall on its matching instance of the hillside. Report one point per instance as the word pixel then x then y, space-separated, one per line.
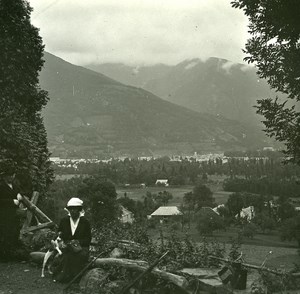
pixel 92 115
pixel 215 86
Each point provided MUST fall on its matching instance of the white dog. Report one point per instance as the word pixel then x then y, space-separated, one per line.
pixel 57 245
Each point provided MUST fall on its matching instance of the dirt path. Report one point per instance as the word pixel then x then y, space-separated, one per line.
pixel 25 278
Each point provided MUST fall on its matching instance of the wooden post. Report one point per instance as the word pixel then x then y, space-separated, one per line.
pixel 33 208
pixel 34 200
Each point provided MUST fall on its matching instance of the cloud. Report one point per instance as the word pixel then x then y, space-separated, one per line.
pixel 227 66
pixel 140 31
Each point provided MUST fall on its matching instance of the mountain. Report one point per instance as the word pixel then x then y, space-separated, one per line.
pixel 137 76
pixel 91 115
pixel 216 86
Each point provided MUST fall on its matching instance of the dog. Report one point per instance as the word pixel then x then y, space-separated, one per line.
pixel 57 246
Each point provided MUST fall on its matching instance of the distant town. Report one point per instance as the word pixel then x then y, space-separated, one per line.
pixel 264 153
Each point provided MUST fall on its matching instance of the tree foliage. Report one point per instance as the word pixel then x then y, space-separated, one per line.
pixel 274 47
pixel 100 197
pixel 208 221
pixel 290 229
pixel 201 196
pixel 23 144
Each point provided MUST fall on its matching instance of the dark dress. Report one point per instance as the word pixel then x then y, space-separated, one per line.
pixel 73 262
pixel 9 221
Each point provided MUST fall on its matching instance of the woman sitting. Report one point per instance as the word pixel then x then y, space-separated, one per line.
pixel 75 231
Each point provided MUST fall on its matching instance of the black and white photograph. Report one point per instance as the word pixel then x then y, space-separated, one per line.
pixel 149 146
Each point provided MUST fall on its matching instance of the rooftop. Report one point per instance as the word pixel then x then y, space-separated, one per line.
pixel 166 211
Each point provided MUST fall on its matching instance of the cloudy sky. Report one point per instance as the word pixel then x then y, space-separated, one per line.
pixel 140 31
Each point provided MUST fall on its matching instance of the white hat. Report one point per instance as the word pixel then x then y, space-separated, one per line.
pixel 74 202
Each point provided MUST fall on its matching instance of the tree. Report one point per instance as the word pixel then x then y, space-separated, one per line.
pixel 235 203
pixel 163 198
pixel 249 230
pixel 290 229
pixel 100 197
pixel 275 49
pixel 23 144
pixel 203 196
pixel 286 209
pixel 208 222
pixel 265 222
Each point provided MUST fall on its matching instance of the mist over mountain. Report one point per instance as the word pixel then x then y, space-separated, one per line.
pixel 215 86
pixel 91 115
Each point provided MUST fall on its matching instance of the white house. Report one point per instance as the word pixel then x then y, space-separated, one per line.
pixel 166 212
pixel 162 182
pixel 216 209
pixel 247 213
pixel 126 216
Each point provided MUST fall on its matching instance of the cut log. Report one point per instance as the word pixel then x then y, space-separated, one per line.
pixel 141 266
pixel 111 261
pixel 135 265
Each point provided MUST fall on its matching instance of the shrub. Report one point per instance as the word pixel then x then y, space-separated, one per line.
pixel 175 226
pixel 249 230
pixel 208 221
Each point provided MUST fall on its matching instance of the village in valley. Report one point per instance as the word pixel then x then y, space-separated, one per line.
pixel 227 204
pixel 211 196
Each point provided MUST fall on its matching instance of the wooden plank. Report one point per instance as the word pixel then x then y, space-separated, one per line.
pixel 33 208
pixel 39 227
pixel 34 200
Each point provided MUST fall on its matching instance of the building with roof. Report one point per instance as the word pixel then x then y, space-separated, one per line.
pixel 162 182
pixel 247 213
pixel 126 216
pixel 165 213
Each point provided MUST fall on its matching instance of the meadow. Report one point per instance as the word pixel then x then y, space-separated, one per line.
pixel 137 193
pixel 284 254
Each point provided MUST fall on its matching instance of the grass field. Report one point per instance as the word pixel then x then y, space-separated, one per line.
pixel 138 193
pixel 284 254
pixel 177 192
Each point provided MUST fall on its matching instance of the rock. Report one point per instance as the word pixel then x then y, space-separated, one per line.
pixel 116 253
pixel 37 257
pixel 113 287
pixel 202 273
pixel 207 280
pixel 214 286
pixel 93 281
pixel 208 286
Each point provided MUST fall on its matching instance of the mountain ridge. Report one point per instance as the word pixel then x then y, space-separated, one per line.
pixel 215 86
pixel 91 115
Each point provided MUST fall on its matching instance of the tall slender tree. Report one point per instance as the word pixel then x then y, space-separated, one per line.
pixel 23 144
